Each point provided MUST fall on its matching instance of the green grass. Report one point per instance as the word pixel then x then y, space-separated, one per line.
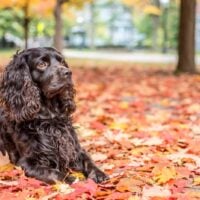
pixel 7 53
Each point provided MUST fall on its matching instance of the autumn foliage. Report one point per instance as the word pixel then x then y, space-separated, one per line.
pixel 140 126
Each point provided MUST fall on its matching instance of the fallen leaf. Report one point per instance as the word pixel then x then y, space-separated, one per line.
pixel 99 157
pixel 196 181
pixel 62 188
pixel 155 191
pixel 128 185
pixel 7 167
pixel 163 175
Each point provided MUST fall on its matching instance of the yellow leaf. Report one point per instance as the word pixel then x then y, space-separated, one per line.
pixel 7 167
pixel 62 188
pixel 78 175
pixel 134 198
pixel 197 181
pixel 194 108
pixel 124 105
pixel 188 160
pixel 163 175
pixel 136 3
pixel 138 151
pixel 153 10
pixel 165 102
pixel 118 125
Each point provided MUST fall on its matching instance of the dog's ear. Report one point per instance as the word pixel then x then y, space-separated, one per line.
pixel 20 94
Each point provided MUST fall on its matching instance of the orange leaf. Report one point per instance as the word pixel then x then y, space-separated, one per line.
pixel 127 185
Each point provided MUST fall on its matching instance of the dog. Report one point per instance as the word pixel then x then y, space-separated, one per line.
pixel 37 102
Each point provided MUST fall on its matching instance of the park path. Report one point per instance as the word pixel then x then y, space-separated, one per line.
pixel 124 56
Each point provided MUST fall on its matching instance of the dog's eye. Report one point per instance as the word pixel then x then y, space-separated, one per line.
pixel 42 65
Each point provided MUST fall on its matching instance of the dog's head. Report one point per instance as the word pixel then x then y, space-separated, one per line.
pixel 34 75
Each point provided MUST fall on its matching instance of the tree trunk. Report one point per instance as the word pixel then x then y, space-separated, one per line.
pixel 155 24
pixel 26 32
pixel 26 23
pixel 58 26
pixel 91 30
pixel 186 48
pixel 165 30
pixel 3 40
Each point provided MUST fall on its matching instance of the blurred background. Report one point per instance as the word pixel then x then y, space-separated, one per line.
pixel 135 30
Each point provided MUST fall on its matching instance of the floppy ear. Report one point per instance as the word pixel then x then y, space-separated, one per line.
pixel 20 94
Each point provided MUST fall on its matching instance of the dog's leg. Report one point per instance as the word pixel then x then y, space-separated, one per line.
pixel 85 163
pixel 43 173
pixel 2 146
pixel 90 170
pixel 10 148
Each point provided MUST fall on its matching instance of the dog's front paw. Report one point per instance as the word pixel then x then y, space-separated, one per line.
pixel 70 179
pixel 98 176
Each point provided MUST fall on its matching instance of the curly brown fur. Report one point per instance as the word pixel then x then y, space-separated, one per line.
pixel 37 100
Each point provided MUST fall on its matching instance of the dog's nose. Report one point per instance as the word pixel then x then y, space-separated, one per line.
pixel 66 71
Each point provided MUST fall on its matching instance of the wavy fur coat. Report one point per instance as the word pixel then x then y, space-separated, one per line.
pixel 37 100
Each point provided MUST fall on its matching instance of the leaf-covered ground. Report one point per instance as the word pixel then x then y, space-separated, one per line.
pixel 142 127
